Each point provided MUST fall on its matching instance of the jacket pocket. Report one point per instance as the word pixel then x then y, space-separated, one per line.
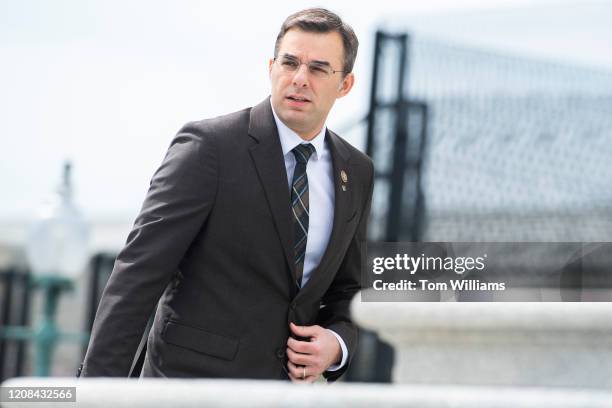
pixel 199 340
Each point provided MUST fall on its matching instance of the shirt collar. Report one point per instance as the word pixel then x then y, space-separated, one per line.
pixel 289 139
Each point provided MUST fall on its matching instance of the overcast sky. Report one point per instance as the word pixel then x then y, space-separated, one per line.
pixel 107 84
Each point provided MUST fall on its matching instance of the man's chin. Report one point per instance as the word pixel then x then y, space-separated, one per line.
pixel 299 109
pixel 296 122
pixel 295 116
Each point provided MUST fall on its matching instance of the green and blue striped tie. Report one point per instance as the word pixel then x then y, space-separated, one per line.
pixel 299 205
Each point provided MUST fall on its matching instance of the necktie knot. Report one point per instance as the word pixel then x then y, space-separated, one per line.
pixel 302 152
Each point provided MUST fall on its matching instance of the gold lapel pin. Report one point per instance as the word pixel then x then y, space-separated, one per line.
pixel 343 176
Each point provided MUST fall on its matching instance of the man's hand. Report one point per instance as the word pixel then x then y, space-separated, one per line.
pixel 315 356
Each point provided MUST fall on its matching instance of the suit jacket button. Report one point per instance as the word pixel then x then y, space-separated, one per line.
pixel 280 352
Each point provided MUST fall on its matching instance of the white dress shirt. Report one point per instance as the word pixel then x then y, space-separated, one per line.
pixel 321 201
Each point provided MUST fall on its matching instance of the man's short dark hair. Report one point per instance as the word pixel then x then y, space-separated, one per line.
pixel 320 20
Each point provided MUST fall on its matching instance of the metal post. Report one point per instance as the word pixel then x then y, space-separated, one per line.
pixel 373 95
pixel 47 333
pixel 7 278
pixel 24 319
pixel 400 149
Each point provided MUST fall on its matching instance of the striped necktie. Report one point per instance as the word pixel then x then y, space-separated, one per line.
pixel 299 205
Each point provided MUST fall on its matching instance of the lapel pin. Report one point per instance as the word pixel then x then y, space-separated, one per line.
pixel 343 176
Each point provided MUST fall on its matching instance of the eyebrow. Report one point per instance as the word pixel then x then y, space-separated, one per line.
pixel 319 62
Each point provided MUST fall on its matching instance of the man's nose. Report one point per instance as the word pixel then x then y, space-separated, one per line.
pixel 300 78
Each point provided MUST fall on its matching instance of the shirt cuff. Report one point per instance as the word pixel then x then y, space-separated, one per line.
pixel 336 367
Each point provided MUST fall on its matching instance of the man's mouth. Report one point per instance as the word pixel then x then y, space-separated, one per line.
pixel 298 98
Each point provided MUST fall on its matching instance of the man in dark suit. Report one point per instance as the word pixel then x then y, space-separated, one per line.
pixel 251 235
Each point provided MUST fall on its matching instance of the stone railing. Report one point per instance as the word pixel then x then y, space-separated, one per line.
pixel 543 344
pixel 460 355
pixel 175 393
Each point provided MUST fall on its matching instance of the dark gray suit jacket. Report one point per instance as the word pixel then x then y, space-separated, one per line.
pixel 214 241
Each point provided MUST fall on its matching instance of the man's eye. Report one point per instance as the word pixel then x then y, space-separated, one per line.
pixel 315 68
pixel 289 63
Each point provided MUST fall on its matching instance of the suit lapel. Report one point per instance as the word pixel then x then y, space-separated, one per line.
pixel 343 205
pixel 267 155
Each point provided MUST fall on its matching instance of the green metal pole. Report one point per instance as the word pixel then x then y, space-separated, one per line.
pixel 47 334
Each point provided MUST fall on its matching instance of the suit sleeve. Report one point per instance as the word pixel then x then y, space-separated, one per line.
pixel 180 197
pixel 335 305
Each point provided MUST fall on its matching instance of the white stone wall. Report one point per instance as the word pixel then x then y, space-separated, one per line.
pixel 545 344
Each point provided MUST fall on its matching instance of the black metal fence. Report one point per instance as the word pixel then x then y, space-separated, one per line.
pixel 474 145
pixel 14 310
pixel 101 266
pixel 15 306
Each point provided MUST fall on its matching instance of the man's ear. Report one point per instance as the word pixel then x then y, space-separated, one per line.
pixel 346 85
pixel 270 63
